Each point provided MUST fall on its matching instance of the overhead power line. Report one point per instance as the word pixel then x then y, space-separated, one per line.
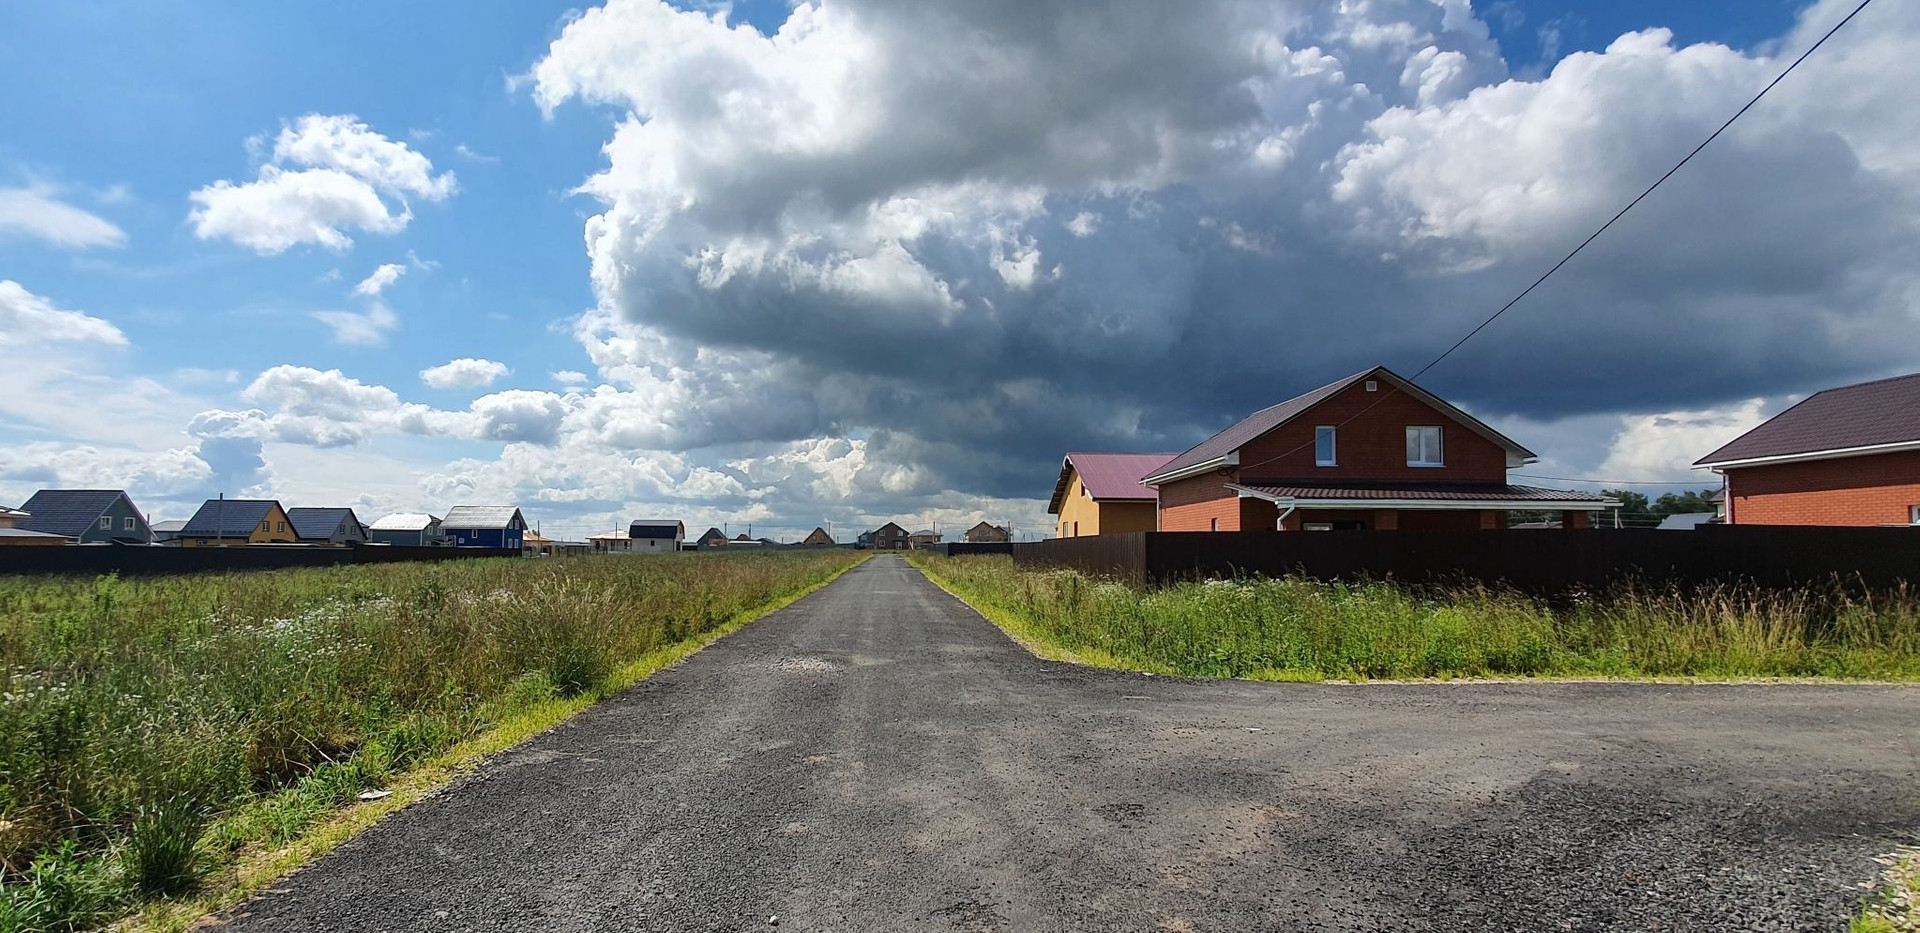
pixel 1596 234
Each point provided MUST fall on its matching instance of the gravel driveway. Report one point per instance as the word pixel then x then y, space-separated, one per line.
pixel 878 757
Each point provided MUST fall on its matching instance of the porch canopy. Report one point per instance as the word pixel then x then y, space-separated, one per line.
pixel 1424 496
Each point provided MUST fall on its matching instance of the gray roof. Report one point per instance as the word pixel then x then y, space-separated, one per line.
pixel 228 518
pixel 1866 415
pixel 1260 422
pixel 319 523
pixel 482 516
pixel 656 528
pixel 23 533
pixel 1683 521
pixel 171 524
pixel 69 512
pixel 713 534
pixel 404 521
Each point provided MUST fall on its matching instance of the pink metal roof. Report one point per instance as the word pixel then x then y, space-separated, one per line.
pixel 1110 477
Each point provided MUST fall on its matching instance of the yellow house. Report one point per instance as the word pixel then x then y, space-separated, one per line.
pixel 1101 494
pixel 237 522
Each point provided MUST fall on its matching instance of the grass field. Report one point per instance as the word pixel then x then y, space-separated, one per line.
pixel 1296 629
pixel 156 731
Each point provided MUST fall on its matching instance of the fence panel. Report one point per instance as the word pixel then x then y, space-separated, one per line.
pixel 1534 560
pixel 133 561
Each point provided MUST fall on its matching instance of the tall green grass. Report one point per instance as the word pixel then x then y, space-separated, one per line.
pixel 138 717
pixel 1299 629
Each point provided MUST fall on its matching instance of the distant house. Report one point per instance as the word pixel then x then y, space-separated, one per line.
pixel 407 529
pixel 89 516
pixel 818 537
pixel 985 533
pixel 534 543
pixel 1846 456
pixel 237 522
pixel 712 538
pixel 335 527
pixel 656 535
pixel 20 537
pixel 484 526
pixel 165 532
pixel 1101 494
pixel 887 537
pixel 925 537
pixel 1372 451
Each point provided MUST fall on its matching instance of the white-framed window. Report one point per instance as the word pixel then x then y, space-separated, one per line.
pixel 127 524
pixel 1324 446
pixel 1424 446
pixel 1913 515
pixel 1213 524
pixel 106 523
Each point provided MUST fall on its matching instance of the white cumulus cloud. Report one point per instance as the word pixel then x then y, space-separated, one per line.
pixel 464 373
pixel 326 175
pixel 27 318
pixel 35 213
pixel 386 274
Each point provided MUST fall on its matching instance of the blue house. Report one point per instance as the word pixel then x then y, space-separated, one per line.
pixel 92 516
pixel 484 526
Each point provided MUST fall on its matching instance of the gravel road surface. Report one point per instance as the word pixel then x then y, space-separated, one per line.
pixel 878 757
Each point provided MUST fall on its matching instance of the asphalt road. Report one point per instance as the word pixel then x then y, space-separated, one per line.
pixel 878 757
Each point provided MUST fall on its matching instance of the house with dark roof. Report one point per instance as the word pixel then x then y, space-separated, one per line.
pixel 407 529
pixel 89 516
pixel 1372 451
pixel 1102 494
pixel 656 535
pixel 330 527
pixel 484 526
pixel 237 522
pixel 712 538
pixel 988 533
pixel 887 537
pixel 1845 456
pixel 818 537
pixel 11 536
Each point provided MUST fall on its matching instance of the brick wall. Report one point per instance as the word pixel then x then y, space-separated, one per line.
pixel 1873 490
pixel 1197 503
pixel 1373 447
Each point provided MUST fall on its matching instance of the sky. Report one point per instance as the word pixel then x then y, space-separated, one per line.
pixel 850 262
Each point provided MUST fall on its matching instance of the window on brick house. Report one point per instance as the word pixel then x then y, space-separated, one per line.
pixel 1213 524
pixel 1913 515
pixel 1424 446
pixel 1323 445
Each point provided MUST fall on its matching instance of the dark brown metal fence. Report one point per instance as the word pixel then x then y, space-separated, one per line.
pixel 1533 560
pixel 132 561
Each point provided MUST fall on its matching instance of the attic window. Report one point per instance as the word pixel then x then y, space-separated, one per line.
pixel 1323 445
pixel 106 523
pixel 1373 385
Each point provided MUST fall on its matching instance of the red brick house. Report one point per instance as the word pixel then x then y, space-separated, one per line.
pixel 1371 451
pixel 1846 456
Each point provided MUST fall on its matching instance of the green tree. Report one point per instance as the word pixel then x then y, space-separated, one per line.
pixel 1678 503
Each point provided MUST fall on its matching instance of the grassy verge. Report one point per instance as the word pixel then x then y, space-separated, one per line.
pixel 1897 908
pixel 168 746
pixel 1291 629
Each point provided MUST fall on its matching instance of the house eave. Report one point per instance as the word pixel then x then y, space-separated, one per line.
pixel 1436 505
pixel 1231 458
pixel 1835 453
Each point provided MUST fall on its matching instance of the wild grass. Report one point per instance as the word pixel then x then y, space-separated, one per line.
pixel 1896 908
pixel 154 730
pixel 1299 629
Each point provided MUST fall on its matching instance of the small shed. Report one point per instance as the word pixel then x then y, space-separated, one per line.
pixel 500 526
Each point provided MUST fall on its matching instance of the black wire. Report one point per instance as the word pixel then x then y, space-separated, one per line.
pixel 1594 236
pixel 1643 195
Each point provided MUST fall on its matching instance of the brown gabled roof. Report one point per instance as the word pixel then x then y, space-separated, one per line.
pixel 1871 414
pixel 1267 419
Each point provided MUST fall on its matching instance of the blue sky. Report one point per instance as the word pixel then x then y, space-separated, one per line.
pixel 756 333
